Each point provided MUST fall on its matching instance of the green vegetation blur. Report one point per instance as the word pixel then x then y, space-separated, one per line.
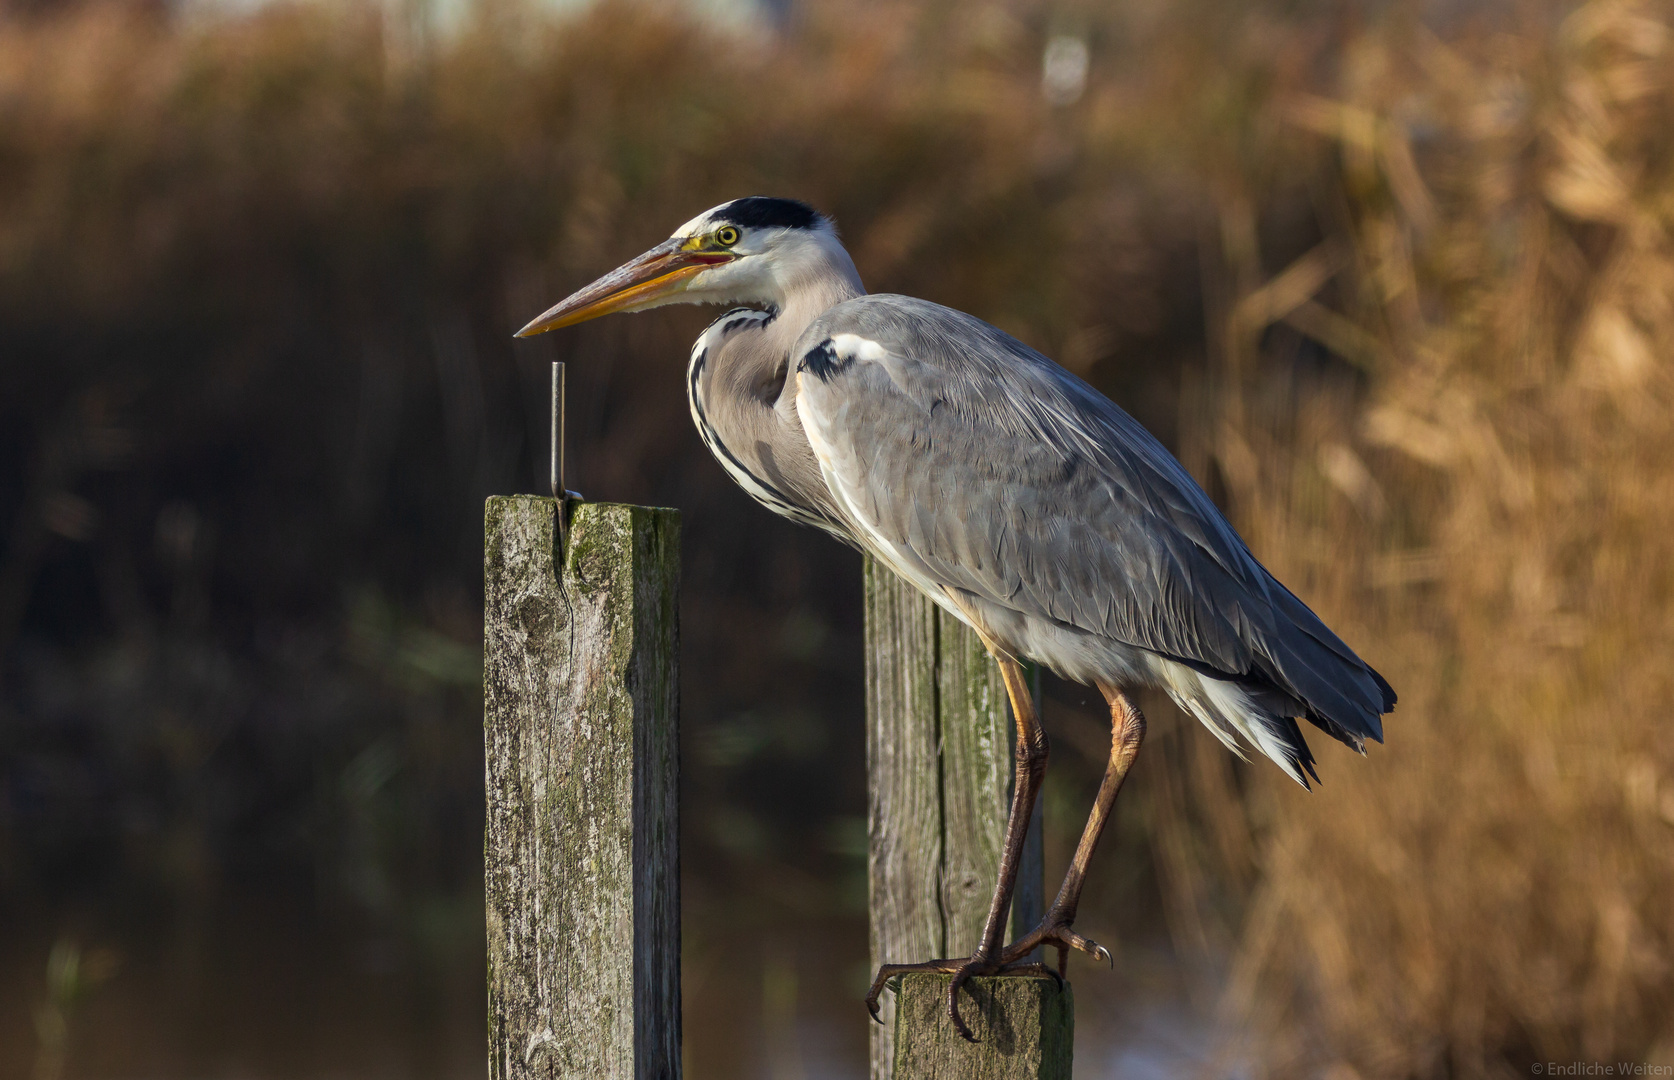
pixel 1396 283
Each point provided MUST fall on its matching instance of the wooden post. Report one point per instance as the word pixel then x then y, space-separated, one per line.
pixel 581 693
pixel 1025 1026
pixel 939 738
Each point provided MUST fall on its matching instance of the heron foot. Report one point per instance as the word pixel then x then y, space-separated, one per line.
pixel 1055 930
pixel 962 969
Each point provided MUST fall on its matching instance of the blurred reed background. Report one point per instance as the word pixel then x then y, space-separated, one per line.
pixel 1397 282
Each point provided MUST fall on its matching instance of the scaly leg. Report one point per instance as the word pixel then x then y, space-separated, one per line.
pixel 1127 731
pixel 1030 754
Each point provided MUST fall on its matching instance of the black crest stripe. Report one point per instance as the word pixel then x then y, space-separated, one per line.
pixel 762 212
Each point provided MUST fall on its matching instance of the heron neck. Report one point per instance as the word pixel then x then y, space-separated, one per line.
pixel 743 397
pixel 809 291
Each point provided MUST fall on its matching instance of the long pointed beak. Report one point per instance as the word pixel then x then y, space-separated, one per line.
pixel 655 275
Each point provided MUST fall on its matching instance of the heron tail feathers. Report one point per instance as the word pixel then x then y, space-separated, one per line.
pixel 1239 714
pixel 1337 692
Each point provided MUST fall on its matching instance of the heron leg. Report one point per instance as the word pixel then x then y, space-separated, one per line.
pixel 1127 731
pixel 1030 755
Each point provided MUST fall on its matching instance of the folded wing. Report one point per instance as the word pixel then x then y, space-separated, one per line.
pixel 986 467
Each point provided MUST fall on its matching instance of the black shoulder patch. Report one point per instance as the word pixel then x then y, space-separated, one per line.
pixel 762 212
pixel 822 361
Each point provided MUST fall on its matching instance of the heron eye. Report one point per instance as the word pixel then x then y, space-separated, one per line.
pixel 726 236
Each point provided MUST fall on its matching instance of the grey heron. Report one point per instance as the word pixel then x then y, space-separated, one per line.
pixel 1010 492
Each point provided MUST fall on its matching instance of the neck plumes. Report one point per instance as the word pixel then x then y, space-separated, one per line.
pixel 743 400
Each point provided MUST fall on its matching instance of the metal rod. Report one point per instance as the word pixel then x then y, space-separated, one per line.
pixel 560 496
pixel 556 473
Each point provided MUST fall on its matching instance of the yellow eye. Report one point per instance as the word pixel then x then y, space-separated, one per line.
pixel 726 236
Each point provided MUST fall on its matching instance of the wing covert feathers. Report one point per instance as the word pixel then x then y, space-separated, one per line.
pixel 986 467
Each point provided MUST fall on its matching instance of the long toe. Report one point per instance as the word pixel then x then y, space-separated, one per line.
pixel 886 972
pixel 1059 933
pixel 1033 968
pixel 1073 940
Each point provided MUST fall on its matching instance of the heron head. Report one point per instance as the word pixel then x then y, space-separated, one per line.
pixel 748 251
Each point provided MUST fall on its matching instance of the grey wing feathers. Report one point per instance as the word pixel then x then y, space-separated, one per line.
pixel 1007 476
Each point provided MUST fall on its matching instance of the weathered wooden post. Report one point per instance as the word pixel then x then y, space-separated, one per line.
pixel 580 694
pixel 940 767
pixel 1025 1024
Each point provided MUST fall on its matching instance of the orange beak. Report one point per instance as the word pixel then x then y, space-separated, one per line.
pixel 660 272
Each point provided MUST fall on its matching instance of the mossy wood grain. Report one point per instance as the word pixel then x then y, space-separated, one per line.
pixel 1025 1028
pixel 581 694
pixel 939 738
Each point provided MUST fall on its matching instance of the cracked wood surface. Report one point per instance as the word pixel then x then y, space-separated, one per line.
pixel 581 850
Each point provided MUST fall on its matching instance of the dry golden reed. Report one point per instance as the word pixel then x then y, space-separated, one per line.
pixel 1488 517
